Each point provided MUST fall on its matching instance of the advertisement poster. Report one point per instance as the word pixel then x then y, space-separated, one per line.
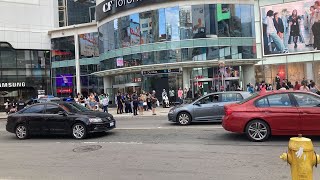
pixel 64 80
pixel 198 21
pixel 89 45
pixel 134 33
pixel 290 28
pixel 120 62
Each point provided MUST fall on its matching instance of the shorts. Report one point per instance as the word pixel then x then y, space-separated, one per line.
pixel 154 105
pixel 140 103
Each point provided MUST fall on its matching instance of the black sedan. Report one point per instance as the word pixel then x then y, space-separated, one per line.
pixel 53 118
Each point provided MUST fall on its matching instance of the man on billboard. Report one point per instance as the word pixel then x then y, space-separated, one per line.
pixel 316 26
pixel 272 33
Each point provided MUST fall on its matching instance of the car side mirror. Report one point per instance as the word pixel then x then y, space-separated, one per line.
pixel 62 113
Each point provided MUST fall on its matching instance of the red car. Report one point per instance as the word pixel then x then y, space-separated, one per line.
pixel 274 113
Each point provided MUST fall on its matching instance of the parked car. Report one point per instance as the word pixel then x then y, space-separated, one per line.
pixel 209 108
pixel 274 113
pixel 53 118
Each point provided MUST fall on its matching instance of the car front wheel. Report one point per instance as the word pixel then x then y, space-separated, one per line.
pixel 184 118
pixel 79 131
pixel 257 130
pixel 21 131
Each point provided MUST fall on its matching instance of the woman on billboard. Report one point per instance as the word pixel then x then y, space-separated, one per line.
pixel 294 22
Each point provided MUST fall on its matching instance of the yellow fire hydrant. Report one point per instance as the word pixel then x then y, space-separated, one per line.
pixel 301 157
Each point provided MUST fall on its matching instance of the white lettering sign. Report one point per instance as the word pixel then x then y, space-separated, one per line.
pixel 119 3
pixel 13 84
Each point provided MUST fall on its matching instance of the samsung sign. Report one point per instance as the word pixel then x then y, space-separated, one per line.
pixel 12 84
pixel 111 7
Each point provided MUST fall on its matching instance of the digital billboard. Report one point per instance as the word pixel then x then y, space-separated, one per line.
pixel 64 80
pixel 290 28
pixel 89 45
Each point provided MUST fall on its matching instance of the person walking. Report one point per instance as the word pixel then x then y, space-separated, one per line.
pixel 105 103
pixel 128 108
pixel 6 106
pixel 154 102
pixel 164 95
pixel 141 101
pixel 135 102
pixel 149 104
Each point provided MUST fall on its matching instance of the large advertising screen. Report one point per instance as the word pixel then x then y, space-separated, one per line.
pixel 89 45
pixel 64 80
pixel 291 27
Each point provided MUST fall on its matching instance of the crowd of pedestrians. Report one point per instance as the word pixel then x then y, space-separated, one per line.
pixel 304 85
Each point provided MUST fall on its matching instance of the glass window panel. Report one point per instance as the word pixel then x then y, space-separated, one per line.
pixel 162 26
pixel 172 23
pixel 186 22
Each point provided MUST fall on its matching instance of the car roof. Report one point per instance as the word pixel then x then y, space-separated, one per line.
pixel 228 92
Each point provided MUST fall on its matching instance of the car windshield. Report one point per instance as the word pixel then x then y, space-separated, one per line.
pixel 79 107
pixel 254 95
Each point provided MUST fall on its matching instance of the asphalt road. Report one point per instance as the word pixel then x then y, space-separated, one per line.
pixel 146 148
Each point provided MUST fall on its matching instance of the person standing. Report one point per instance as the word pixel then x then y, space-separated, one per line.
pixel 141 101
pixel 272 32
pixel 20 105
pixel 316 26
pixel 163 95
pixel 149 104
pixel 297 86
pixel 6 106
pixel 180 95
pixel 171 96
pixel 304 87
pixel 314 88
pixel 310 24
pixel 278 24
pixel 294 22
pixel 105 103
pixel 135 103
pixel 154 102
pixel 120 103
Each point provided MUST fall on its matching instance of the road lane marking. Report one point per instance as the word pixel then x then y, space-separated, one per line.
pixel 147 128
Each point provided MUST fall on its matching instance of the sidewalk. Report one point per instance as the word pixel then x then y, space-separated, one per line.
pixel 159 111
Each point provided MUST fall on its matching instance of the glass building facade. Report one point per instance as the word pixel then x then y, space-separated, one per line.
pixel 23 73
pixel 178 34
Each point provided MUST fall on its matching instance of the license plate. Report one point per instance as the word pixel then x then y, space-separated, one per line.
pixel 112 124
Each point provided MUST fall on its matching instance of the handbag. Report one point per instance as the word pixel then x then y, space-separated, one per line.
pixel 144 103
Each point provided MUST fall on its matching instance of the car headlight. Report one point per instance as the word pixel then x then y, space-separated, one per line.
pixel 109 118
pixel 95 120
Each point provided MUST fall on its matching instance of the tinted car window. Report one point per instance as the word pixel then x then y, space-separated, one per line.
pixel 262 102
pixel 276 100
pixel 306 100
pixel 279 100
pixel 214 98
pixel 34 109
pixel 53 109
pixel 231 97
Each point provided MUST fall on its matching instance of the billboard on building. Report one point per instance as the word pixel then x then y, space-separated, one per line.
pixel 89 45
pixel 134 33
pixel 64 80
pixel 290 28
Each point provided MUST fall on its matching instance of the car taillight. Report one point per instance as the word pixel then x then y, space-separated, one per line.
pixel 228 111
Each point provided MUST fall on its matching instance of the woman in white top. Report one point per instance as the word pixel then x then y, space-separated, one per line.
pixel 304 87
pixel 314 88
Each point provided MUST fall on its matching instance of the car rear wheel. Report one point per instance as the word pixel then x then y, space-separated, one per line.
pixel 184 118
pixel 258 130
pixel 21 131
pixel 79 131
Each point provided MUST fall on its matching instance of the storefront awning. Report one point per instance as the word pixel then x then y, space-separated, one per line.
pixel 187 64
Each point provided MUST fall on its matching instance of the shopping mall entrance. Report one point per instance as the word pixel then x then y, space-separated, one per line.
pixel 209 85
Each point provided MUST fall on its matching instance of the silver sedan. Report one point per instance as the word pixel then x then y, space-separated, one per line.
pixel 209 108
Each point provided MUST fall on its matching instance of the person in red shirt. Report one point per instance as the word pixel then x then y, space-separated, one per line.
pixel 263 87
pixel 297 86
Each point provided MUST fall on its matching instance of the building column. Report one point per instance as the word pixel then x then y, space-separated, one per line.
pixel 107 84
pixel 77 63
pixel 309 71
pixel 248 75
pixel 186 75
